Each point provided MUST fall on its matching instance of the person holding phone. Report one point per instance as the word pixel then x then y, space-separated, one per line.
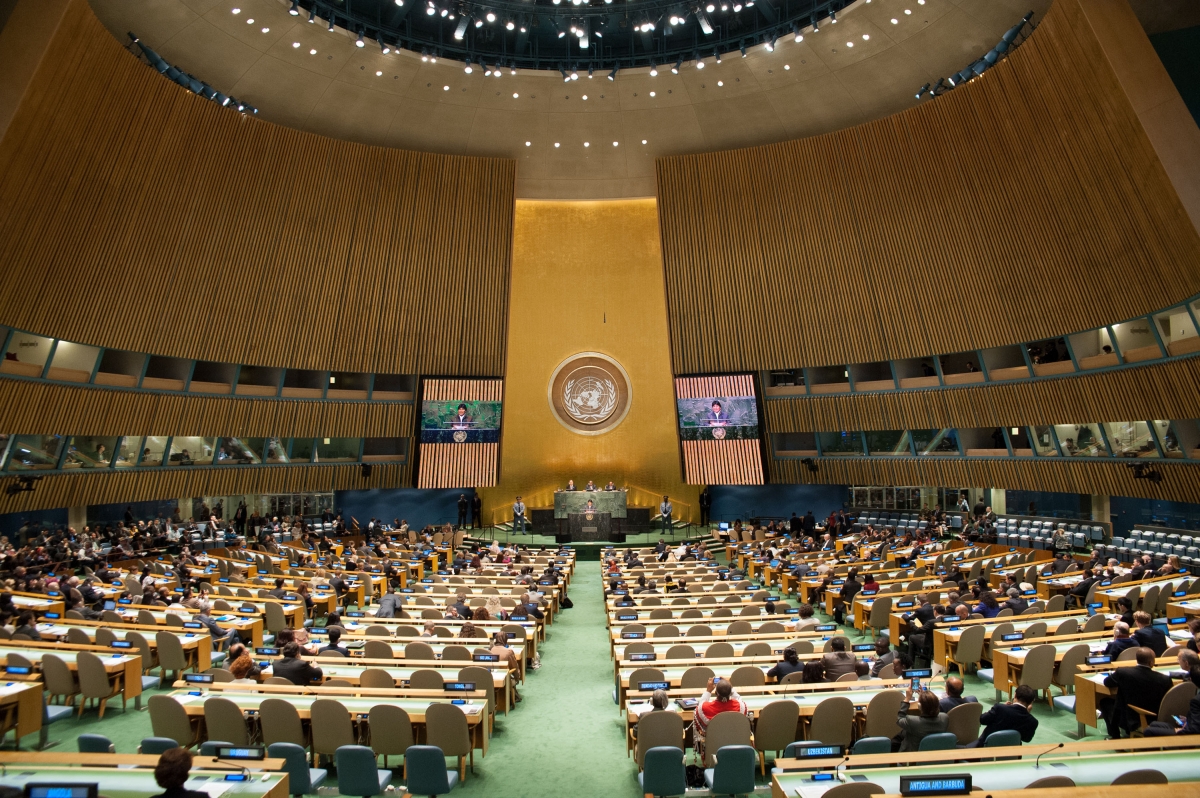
pixel 915 728
pixel 718 697
pixel 1180 724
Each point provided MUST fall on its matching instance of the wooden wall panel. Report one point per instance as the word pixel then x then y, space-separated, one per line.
pixel 1161 391
pixel 33 408
pixel 1026 204
pixel 458 465
pixel 71 490
pixel 1181 482
pixel 136 215
pixel 729 462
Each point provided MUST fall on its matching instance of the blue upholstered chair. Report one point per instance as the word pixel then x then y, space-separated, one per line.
pixel 663 772
pixel 944 741
pixel 734 771
pixel 357 773
pixel 156 745
pixel 425 769
pixel 95 744
pixel 301 778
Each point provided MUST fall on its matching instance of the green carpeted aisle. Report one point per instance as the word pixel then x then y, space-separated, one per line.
pixel 566 737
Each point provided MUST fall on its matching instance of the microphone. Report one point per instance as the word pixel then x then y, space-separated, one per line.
pixel 1043 753
pixel 837 771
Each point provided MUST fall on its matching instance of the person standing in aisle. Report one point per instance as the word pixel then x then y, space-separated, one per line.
pixel 665 509
pixel 463 504
pixel 519 516
pixel 477 512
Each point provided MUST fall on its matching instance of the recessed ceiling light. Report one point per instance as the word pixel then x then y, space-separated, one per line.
pixel 787 66
pixel 585 96
pixel 528 143
pixel 849 44
pixel 895 21
pixel 587 144
pixel 614 143
pixel 866 37
pixel 651 94
pixel 237 10
pixel 720 83
pixel 643 141
pixel 445 88
pixel 250 21
pixel 266 30
pixel 378 74
pixel 908 11
pixel 556 145
pixel 295 44
pixel 312 52
pixel 515 95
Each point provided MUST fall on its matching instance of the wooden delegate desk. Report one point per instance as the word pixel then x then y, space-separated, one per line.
pixel 248 625
pixel 40 605
pixel 197 646
pixel 738 642
pixel 706 614
pixel 438 644
pixel 327 598
pixel 352 670
pixel 991 769
pixel 1180 607
pixel 1008 659
pixel 1111 594
pixel 719 628
pixel 359 707
pixel 357 627
pixel 127 668
pixel 24 700
pixel 116 782
pixel 947 635
pixel 1090 688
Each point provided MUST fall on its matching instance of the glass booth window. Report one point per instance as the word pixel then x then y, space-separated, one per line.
pixel 1177 330
pixel 154 447
pixel 73 362
pixel 1130 439
pixel 26 354
pixel 1168 439
pixel 277 450
pixel 1187 437
pixel 338 450
pixel 240 451
pixel 90 452
pixel 127 452
pixel 935 442
pixel 191 450
pixel 302 450
pixel 1093 349
pixel 1043 442
pixel 889 442
pixel 848 443
pixel 1136 340
pixel 34 452
pixel 1081 440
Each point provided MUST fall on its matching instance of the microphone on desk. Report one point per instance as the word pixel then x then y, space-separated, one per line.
pixel 837 771
pixel 1043 753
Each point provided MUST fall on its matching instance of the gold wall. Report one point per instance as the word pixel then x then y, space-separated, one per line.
pixel 587 277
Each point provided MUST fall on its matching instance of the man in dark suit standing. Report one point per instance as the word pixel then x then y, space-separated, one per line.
pixel 1140 686
pixel 705 506
pixel 477 511
pixel 1014 715
pixel 463 504
pixel 810 523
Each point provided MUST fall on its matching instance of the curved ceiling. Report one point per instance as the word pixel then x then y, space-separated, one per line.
pixel 586 138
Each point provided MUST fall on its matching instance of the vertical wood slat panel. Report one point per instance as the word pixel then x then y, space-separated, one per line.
pixel 942 228
pixel 160 222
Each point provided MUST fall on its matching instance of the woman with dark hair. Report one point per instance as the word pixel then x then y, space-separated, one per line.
pixel 172 771
pixel 987 606
pixel 915 728
pixel 814 671
pixel 790 664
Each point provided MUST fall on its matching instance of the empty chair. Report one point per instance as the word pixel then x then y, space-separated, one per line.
pixel 832 721
pixel 1035 630
pixel 60 681
pixel 419 651
pixel 757 649
pixel 727 728
pixel 661 728
pixel 94 681
pixel 225 721
pixel 280 722
pixel 718 650
pixel 1050 781
pixel 377 649
pixel 968 651
pixel 739 628
pixel 733 770
pixel 331 727
pixel 171 656
pixel 681 651
pixel 664 773
pixel 881 714
pixel 772 627
pixel 153 746
pixel 697 676
pixel 661 613
pixel 220 674
pixel 357 774
pixel 378 630
pixel 748 676
pixel 446 728
pixel 639 648
pixel 854 789
pixel 666 630
pixel 690 613
pixel 699 630
pixel 776 727
pixel 1002 739
pixel 872 745
pixel 426 774
pixel 391 732
pixel 376 678
pixel 426 679
pixel 1067 627
pixel 1145 776
pixel 302 779
pixel 76 636
pixel 750 610
pixel 1094 624
pixel 456 653
pixel 168 719
pixel 96 744
pixel 645 675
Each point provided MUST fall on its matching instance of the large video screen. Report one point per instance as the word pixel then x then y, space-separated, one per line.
pixel 467 421
pixel 719 430
pixel 460 433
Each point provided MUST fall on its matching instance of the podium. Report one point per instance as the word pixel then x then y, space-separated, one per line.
pixel 589 527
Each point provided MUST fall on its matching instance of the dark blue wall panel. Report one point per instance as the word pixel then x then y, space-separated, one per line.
pixel 11 523
pixel 731 502
pixel 418 507
pixel 1129 512
pixel 1066 505
pixel 111 513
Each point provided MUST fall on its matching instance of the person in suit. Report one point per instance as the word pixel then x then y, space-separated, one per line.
pixel 518 509
pixel 460 606
pixel 461 420
pixel 1015 602
pixel 463 504
pixel 1148 636
pixel 1125 608
pixel 705 506
pixel 610 485
pixel 665 509
pixel 954 695
pixel 1140 567
pixel 717 417
pixel 591 486
pixel 477 511
pixel 279 592
pixel 1121 641
pixel 570 484
pixel 1140 686
pixel 790 664
pixel 839 661
pixel 850 589
pixel 810 523
pixel 1014 715
pixel 915 728
pixel 294 669
pixel 1077 594
pixel 1191 721
pixel 530 605
pixel 389 604
pixel 335 637
pixel 884 656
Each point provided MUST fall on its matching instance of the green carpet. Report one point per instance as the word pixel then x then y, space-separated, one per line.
pixel 567 736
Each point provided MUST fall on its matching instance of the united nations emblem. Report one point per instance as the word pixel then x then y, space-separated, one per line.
pixel 460 436
pixel 589 393
pixel 589 516
pixel 718 433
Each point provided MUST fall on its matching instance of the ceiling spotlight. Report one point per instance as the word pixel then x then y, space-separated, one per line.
pixel 833 17
pixel 705 23
pixel 737 7
pixel 717 54
pixel 491 16
pixel 479 23
pixel 509 25
pixel 743 49
pixel 295 9
pixel 562 71
pixel 921 91
pixel 424 54
pixel 468 68
pixel 710 8
pixel 574 73
pixel 383 46
pixel 331 23
pixel 590 68
pixel 358 42
pixel 653 70
pixel 444 12
pixel 312 16
pixel 512 68
pixel 816 28
pixel 613 75
pixel 678 63
pixel 461 30
pixel 699 61
pixel 796 31
pixel 771 43
pixel 430 10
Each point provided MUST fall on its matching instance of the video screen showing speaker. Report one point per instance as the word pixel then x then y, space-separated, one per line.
pixel 460 433
pixel 719 430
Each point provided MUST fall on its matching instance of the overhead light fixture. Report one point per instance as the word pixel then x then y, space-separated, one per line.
pixel 742 47
pixel 653 70
pixel 737 7
pixel 479 23
pixel 816 27
pixel 796 31
pixel 678 63
pixel 717 54
pixel 491 16
pixel 312 16
pixel 699 60
pixel 468 69
pixel 705 23
pixel 833 17
pixel 383 46
pixel 771 43
pixel 461 30
pixel 358 41
pixel 563 71
pixel 331 23
pixel 574 73
pixel 590 68
pixel 613 75
pixel 921 91
pixel 295 9
pixel 509 25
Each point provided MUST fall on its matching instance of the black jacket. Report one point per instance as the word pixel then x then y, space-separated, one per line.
pixel 296 670
pixel 1140 686
pixel 1153 638
pixel 1008 716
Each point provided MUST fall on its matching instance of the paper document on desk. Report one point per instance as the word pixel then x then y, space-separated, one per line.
pixel 641 709
pixel 214 790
